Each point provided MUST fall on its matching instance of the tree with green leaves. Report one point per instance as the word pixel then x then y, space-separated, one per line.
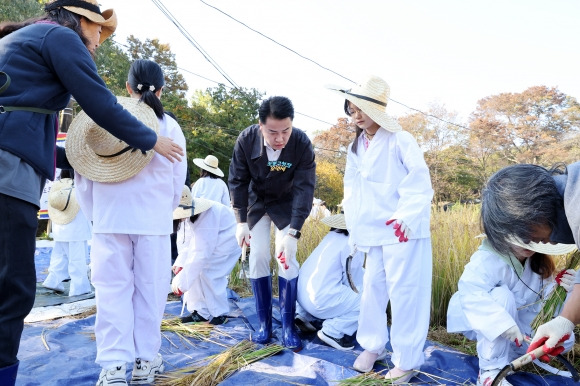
pixel 11 10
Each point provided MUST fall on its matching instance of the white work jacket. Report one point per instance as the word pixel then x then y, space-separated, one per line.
pixel 214 189
pixel 389 180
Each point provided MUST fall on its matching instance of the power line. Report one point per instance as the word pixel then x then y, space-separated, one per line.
pixel 190 38
pixel 325 68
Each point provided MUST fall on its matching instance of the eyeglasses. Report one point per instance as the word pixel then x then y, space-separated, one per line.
pixel 352 112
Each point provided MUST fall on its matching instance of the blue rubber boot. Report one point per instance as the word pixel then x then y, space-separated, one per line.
pixel 287 298
pixel 8 375
pixel 262 288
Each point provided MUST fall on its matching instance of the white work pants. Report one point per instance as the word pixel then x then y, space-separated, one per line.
pixel 69 259
pixel 131 274
pixel 400 273
pixel 260 254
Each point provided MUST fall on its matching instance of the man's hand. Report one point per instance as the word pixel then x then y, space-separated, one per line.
pixel 513 334
pixel 287 250
pixel 566 279
pixel 401 229
pixel 168 149
pixel 550 335
pixel 243 234
pixel 175 286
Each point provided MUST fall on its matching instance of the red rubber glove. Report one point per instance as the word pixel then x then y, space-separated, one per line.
pixel 401 229
pixel 566 279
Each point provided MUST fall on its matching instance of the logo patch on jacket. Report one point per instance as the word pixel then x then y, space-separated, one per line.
pixel 279 166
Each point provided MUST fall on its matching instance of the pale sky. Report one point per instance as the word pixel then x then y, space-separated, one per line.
pixel 450 52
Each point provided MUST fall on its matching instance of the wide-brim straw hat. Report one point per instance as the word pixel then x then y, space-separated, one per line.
pixel 335 221
pixel 371 97
pixel 184 208
pixel 89 9
pixel 545 248
pixel 62 204
pixel 200 205
pixel 210 163
pixel 98 155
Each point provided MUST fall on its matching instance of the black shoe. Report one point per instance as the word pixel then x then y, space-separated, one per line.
pixel 340 344
pixel 193 318
pixel 222 319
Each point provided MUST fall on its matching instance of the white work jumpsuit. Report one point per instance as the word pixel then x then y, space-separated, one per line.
pixel 214 189
pixel 207 261
pixel 70 255
pixel 390 180
pixel 323 288
pixel 131 253
pixel 496 292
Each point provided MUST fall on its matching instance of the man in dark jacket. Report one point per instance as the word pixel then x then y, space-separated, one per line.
pixel 271 180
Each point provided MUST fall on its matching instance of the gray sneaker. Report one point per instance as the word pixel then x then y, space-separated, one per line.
pixel 116 376
pixel 145 371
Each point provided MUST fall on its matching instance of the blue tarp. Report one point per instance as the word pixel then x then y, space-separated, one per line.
pixel 72 351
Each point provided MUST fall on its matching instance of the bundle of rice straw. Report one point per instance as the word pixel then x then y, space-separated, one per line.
pixel 555 299
pixel 214 369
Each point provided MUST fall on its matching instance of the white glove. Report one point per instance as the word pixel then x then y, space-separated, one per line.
pixel 243 234
pixel 287 250
pixel 402 231
pixel 551 334
pixel 513 334
pixel 566 279
pixel 175 285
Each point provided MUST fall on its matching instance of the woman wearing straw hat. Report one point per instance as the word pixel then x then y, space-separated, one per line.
pixel 204 264
pixel 532 203
pixel 210 184
pixel 499 296
pixel 71 231
pixel 129 196
pixel 387 199
pixel 324 291
pixel 44 61
pixel 271 181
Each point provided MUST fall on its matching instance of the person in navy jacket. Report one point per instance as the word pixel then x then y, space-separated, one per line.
pixel 43 61
pixel 271 180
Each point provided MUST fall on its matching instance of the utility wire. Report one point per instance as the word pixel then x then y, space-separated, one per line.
pixel 325 68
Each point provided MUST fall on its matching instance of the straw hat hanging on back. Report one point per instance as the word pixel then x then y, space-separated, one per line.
pixel 190 207
pixel 210 163
pixel 89 9
pixel 98 155
pixel 62 204
pixel 371 96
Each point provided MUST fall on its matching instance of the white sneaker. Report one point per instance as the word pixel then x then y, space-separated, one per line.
pixel 145 371
pixel 398 376
pixel 366 360
pixel 486 378
pixel 116 376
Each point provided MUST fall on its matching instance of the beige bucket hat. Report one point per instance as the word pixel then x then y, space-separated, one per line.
pixel 89 9
pixel 371 96
pixel 62 204
pixel 210 163
pixel 98 155
pixel 335 221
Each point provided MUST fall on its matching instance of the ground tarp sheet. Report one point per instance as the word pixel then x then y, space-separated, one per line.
pixel 63 351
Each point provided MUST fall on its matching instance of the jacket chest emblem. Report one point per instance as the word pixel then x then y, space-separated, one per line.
pixel 279 166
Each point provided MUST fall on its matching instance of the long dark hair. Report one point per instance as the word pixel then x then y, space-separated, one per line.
pixel 145 78
pixel 516 199
pixel 358 130
pixel 60 16
pixel 542 264
pixel 206 173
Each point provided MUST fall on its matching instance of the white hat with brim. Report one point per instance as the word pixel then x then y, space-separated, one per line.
pixel 545 248
pixel 210 163
pixel 184 208
pixel 335 221
pixel 98 155
pixel 89 9
pixel 371 97
pixel 62 204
